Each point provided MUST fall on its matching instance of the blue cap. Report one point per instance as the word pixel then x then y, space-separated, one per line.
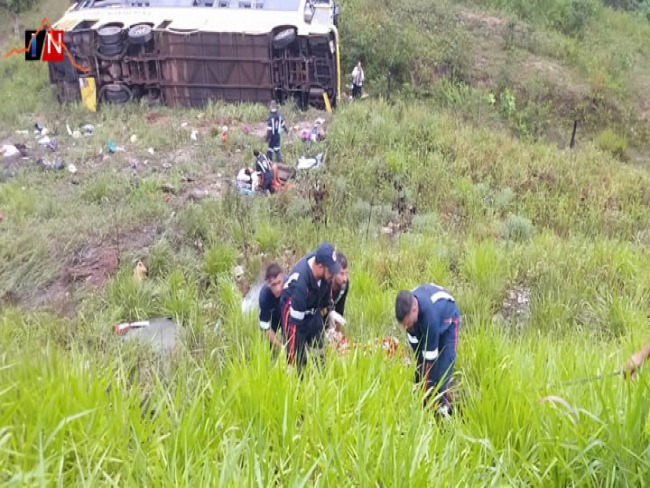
pixel 326 255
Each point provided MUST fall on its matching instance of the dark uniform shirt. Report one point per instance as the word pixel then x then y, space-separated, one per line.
pixel 270 312
pixel 434 303
pixel 303 296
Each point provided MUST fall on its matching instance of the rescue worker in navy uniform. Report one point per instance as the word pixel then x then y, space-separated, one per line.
pixel 340 287
pixel 269 301
pixel 431 319
pixel 263 170
pixel 306 291
pixel 274 124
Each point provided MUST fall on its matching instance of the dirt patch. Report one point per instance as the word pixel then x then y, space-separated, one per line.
pixel 196 193
pixel 156 118
pixel 218 122
pixel 484 19
pixel 91 267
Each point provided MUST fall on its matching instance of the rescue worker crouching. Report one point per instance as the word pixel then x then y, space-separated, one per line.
pixel 306 291
pixel 269 302
pixel 431 319
pixel 264 173
pixel 340 288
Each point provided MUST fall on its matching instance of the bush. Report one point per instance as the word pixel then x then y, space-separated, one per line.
pixel 517 228
pixel 219 260
pixel 611 142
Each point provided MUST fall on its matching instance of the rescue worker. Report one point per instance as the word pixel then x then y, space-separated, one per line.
pixel 306 291
pixel 274 125
pixel 340 287
pixel 636 361
pixel 264 172
pixel 431 319
pixel 357 80
pixel 269 301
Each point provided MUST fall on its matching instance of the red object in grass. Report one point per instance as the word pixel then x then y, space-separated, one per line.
pixel 1 217
pixel 167 198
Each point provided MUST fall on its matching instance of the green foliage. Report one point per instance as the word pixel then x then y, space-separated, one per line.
pixel 611 142
pixel 518 228
pixel 507 103
pixel 219 260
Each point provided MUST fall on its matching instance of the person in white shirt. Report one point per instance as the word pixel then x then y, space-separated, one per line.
pixel 357 80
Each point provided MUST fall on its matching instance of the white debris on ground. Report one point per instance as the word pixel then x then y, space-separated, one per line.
pixel 516 306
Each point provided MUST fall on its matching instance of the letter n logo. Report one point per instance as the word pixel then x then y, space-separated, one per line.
pixel 53 48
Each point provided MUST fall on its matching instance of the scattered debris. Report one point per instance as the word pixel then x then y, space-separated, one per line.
pixel 2 217
pixel 516 305
pixel 184 124
pixel 189 178
pixel 22 132
pixel 133 139
pixel 310 163
pixel 167 165
pixel 52 145
pixel 140 271
pixel 44 140
pixel 89 129
pixel 194 135
pixel 55 165
pixel 76 134
pixel 159 333
pixel 167 188
pixel 314 135
pixel 238 272
pixel 251 300
pixel 9 150
pixel 111 146
pixel 150 151
pixel 72 168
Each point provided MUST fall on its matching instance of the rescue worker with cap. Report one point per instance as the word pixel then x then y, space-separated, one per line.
pixel 306 291
pixel 274 125
pixel 431 319
pixel 269 302
pixel 340 287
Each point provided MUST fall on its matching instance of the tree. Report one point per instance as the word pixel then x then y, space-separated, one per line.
pixel 16 7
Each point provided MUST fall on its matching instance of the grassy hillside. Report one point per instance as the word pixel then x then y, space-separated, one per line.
pixel 458 179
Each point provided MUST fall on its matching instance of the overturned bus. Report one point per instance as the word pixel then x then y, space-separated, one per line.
pixel 187 52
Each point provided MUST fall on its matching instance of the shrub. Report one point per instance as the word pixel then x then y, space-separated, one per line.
pixel 611 142
pixel 517 228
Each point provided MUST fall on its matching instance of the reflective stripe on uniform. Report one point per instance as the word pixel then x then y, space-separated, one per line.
pixel 265 325
pixel 296 315
pixel 430 355
pixel 412 339
pixel 441 295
